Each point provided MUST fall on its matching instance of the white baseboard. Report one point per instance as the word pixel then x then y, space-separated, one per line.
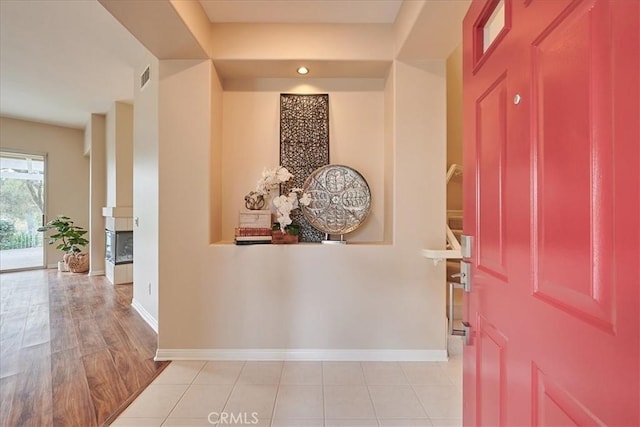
pixel 52 265
pixel 96 273
pixel 151 321
pixel 380 355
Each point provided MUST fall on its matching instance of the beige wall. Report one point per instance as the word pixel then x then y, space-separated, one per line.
pixel 360 297
pixel 389 156
pixel 454 126
pixel 67 173
pixel 200 146
pixel 251 140
pixel 145 190
pixel 119 154
pixel 196 19
pixel 94 146
pixel 215 164
pixel 302 41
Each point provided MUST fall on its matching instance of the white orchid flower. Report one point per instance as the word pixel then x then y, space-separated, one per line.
pixel 283 175
pixel 278 201
pixel 305 200
pixel 284 220
pixel 283 204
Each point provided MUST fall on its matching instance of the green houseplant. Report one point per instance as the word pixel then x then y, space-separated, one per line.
pixel 70 240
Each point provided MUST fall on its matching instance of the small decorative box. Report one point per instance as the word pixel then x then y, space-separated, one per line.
pixel 254 219
pixel 283 238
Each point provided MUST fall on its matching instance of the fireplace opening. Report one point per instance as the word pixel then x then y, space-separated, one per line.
pixel 119 247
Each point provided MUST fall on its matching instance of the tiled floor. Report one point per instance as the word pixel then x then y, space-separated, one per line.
pixel 301 394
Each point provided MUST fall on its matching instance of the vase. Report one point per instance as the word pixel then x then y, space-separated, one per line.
pixel 254 201
pixel 63 267
pixel 76 263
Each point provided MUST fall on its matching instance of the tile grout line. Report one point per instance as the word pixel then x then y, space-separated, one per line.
pixel 183 393
pixel 413 388
pixel 275 400
pixel 421 404
pixel 366 384
pixel 324 406
pixel 324 399
pixel 441 370
pixel 233 387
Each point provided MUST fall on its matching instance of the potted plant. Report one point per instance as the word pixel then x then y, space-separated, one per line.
pixel 284 203
pixel 289 235
pixel 71 241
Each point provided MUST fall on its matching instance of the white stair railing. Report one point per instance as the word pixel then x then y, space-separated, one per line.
pixel 452 240
pixel 453 245
pixel 454 170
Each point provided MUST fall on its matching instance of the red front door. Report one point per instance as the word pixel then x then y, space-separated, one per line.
pixel 552 193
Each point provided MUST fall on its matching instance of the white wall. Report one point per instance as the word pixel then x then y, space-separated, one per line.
pixel 94 147
pixel 67 174
pixel 251 140
pixel 145 190
pixel 315 299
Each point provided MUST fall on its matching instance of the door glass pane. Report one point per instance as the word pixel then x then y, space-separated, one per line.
pixel 494 25
pixel 21 210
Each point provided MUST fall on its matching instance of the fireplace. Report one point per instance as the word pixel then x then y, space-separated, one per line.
pixel 119 247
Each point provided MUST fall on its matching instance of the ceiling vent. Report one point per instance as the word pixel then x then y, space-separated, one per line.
pixel 144 78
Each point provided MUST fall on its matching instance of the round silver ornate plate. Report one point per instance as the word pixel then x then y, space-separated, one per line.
pixel 340 199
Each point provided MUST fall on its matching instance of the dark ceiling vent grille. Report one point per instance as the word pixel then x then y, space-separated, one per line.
pixel 144 77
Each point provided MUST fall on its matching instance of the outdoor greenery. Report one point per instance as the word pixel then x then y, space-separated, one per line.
pixel 21 241
pixel 19 197
pixel 7 229
pixel 21 208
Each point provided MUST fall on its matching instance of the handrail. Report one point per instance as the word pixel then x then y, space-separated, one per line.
pixel 453 250
pixel 452 241
pixel 454 170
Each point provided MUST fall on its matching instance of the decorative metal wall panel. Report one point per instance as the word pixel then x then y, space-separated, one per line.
pixel 304 146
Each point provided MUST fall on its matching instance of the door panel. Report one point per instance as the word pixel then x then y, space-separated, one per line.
pixel 491 385
pixel 555 406
pixel 552 198
pixel 491 141
pixel 576 162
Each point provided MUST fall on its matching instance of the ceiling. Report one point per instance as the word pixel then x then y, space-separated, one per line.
pixel 62 60
pixel 303 11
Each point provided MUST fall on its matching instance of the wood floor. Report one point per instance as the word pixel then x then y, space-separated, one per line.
pixel 72 350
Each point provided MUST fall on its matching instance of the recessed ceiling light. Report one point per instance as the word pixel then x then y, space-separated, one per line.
pixel 303 70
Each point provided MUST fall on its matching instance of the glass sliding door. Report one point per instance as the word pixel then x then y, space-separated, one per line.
pixel 22 189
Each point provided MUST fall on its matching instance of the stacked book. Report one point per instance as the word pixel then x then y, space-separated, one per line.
pixel 254 227
pixel 252 236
